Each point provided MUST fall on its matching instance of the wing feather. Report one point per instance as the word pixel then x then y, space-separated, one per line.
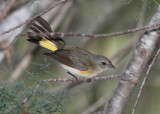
pixel 68 58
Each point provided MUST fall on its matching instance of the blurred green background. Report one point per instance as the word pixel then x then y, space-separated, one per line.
pixel 97 17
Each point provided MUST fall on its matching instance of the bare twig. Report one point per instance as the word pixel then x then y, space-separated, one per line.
pixel 12 43
pixel 82 79
pixel 71 80
pixel 34 17
pixel 60 34
pixel 144 80
pixel 154 26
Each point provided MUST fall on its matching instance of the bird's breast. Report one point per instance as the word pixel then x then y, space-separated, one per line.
pixel 88 73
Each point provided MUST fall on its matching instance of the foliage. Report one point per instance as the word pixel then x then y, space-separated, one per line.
pixel 41 101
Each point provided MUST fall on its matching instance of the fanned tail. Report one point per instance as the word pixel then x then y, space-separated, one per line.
pixel 40 35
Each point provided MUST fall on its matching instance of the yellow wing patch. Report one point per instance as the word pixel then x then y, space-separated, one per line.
pixel 48 44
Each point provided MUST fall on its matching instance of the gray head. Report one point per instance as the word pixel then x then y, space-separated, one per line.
pixel 102 63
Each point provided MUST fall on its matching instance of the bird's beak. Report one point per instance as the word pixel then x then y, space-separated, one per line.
pixel 111 66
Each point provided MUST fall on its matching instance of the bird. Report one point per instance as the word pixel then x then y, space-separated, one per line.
pixel 76 61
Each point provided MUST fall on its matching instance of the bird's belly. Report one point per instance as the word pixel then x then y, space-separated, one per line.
pixel 88 74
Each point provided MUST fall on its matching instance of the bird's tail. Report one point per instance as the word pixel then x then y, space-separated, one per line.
pixel 41 35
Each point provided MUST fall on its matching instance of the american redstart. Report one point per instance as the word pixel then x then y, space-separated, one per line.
pixel 77 61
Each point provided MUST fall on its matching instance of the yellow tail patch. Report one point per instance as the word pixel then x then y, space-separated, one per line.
pixel 48 44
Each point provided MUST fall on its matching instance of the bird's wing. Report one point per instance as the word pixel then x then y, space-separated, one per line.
pixel 70 58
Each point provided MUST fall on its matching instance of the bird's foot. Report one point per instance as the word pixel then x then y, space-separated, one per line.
pixel 88 80
pixel 75 78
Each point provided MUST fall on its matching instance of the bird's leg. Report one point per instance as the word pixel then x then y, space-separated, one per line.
pixel 76 79
pixel 88 80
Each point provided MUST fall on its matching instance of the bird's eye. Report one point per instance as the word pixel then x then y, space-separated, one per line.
pixel 103 63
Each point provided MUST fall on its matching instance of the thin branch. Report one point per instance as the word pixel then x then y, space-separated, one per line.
pixel 153 26
pixel 71 80
pixel 12 43
pixel 144 80
pixel 60 34
pixel 34 17
pixel 82 79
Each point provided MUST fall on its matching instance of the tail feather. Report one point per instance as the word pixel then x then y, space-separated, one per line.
pixel 33 37
pixel 43 23
pixel 41 41
pixel 39 28
pixel 46 41
pixel 33 40
pixel 34 29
